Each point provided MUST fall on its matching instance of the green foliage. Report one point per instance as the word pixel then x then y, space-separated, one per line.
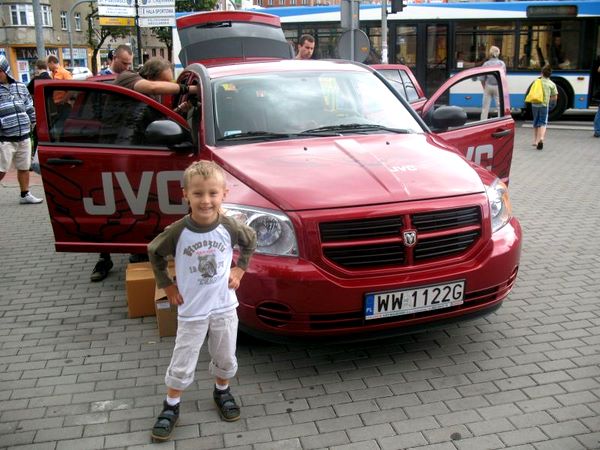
pixel 198 5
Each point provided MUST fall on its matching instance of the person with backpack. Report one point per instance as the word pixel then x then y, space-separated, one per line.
pixel 540 110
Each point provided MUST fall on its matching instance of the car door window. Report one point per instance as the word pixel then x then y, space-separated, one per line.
pixel 402 83
pixel 479 103
pixel 91 117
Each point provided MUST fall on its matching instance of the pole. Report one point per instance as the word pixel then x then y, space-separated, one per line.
pixel 384 32
pixel 139 33
pixel 39 31
pixel 70 29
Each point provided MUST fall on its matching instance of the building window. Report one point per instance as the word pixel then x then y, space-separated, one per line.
pixel 270 2
pixel 63 20
pixel 21 15
pixel 281 2
pixel 162 52
pixel 305 2
pixel 259 2
pixel 77 21
pixel 46 16
pixel 153 52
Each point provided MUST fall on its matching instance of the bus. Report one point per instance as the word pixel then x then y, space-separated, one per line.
pixel 435 40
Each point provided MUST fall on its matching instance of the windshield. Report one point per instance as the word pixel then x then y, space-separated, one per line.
pixel 285 105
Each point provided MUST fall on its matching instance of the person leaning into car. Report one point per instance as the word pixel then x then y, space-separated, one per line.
pixel 155 78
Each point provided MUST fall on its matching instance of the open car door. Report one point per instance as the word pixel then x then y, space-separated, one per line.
pixel 112 162
pixel 487 141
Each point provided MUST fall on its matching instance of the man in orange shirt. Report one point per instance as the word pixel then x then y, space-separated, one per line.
pixel 63 108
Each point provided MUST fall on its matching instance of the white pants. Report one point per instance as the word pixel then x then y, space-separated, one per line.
pixel 222 337
pixel 19 152
pixel 489 92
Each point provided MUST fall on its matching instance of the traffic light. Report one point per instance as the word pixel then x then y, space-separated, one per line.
pixel 397 6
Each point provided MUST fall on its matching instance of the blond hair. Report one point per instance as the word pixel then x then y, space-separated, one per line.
pixel 206 169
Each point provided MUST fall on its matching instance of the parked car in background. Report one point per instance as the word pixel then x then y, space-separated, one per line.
pixel 80 73
pixel 372 218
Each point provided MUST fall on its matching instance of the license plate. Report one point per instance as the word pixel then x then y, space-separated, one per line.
pixel 410 301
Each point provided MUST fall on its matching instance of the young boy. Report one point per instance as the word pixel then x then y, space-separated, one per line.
pixel 202 244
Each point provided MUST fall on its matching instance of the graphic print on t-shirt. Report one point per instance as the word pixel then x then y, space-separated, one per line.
pixel 206 260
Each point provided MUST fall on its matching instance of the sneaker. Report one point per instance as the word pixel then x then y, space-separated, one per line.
pixel 101 269
pixel 30 199
pixel 138 257
pixel 165 422
pixel 540 145
pixel 596 134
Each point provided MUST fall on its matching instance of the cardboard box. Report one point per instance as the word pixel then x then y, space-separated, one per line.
pixel 166 314
pixel 140 286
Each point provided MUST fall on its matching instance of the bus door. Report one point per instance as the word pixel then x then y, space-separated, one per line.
pixel 435 55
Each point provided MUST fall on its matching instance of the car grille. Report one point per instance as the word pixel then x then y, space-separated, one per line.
pixel 379 242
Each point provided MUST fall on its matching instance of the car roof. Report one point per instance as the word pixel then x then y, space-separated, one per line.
pixel 284 65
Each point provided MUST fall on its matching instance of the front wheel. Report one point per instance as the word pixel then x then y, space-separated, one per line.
pixel 561 104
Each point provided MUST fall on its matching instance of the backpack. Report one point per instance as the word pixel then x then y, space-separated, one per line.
pixel 536 92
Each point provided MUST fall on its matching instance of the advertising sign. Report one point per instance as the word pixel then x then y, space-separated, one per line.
pixel 116 3
pixel 116 21
pixel 118 11
pixel 156 21
pixel 160 11
pixel 156 2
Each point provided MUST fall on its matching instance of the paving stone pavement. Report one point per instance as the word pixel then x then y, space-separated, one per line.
pixel 76 374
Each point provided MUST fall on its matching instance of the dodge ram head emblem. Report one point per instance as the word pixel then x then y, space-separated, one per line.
pixel 410 238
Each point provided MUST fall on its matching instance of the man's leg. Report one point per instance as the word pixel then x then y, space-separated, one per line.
pixel 596 124
pixel 23 164
pixel 102 267
pixel 485 107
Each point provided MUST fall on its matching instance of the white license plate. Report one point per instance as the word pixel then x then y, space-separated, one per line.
pixel 409 301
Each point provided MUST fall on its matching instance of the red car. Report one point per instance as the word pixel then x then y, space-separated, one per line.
pixel 370 219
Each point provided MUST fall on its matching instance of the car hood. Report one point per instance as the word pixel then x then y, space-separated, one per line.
pixel 349 171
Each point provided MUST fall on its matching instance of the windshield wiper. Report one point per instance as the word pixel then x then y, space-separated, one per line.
pixel 255 135
pixel 360 127
pixel 270 135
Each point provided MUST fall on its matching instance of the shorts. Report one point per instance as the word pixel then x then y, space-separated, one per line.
pixel 222 336
pixel 540 115
pixel 19 152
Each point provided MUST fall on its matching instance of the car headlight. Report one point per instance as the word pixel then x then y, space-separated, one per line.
pixel 274 231
pixel 500 208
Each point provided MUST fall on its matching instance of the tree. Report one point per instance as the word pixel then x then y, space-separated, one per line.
pixel 165 34
pixel 97 35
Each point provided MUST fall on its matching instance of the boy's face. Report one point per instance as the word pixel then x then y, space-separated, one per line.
pixel 205 196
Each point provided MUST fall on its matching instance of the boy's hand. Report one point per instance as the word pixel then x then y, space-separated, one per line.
pixel 173 295
pixel 235 276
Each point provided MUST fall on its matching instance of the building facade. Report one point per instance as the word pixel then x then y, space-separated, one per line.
pixel 18 40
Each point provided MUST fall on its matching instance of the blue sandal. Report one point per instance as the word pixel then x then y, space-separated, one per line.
pixel 165 423
pixel 228 408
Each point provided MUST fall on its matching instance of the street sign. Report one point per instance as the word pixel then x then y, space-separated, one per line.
pixel 161 11
pixel 146 22
pixel 118 11
pixel 125 3
pixel 116 21
pixel 156 3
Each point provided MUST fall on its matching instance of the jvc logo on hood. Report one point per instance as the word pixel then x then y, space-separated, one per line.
pixel 137 202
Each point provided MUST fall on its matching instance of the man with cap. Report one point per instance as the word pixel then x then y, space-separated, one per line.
pixel 17 118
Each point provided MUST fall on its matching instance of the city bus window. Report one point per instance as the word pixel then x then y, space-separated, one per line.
pixel 474 41
pixel 406 46
pixel 554 43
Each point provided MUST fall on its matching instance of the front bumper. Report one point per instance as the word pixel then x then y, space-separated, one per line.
pixel 292 298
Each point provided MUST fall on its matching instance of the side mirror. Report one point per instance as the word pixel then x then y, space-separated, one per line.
pixel 169 133
pixel 448 116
